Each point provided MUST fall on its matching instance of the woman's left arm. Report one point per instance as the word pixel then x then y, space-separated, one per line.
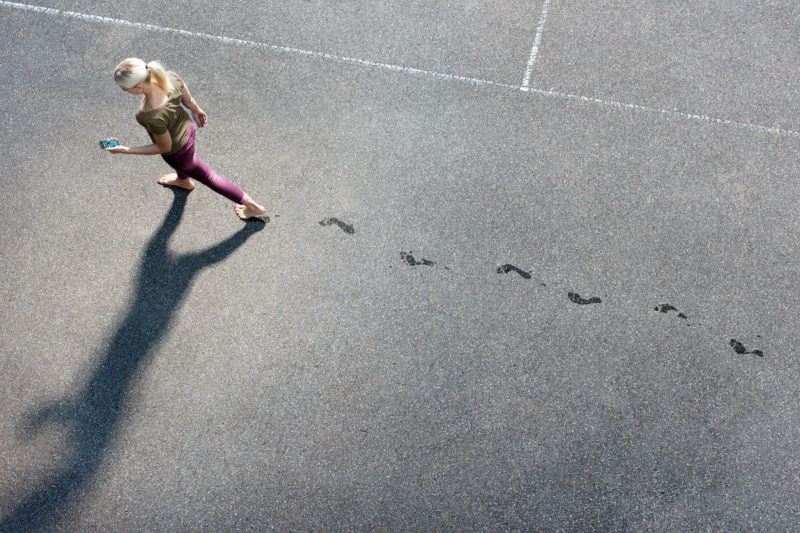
pixel 198 114
pixel 162 146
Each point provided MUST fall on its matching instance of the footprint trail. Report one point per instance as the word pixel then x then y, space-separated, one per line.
pixel 574 297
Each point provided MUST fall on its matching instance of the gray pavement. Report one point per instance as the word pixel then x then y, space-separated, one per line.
pixel 167 367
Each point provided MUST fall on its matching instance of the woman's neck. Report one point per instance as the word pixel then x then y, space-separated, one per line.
pixel 154 96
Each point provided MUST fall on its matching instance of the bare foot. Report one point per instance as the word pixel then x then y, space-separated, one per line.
pixel 171 180
pixel 251 210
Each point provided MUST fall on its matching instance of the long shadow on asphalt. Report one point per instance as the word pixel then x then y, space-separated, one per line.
pixel 92 416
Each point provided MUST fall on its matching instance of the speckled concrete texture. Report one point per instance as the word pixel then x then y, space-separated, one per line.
pixel 473 308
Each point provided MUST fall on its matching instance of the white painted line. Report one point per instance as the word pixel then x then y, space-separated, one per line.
pixel 401 69
pixel 535 50
pixel 250 44
pixel 756 128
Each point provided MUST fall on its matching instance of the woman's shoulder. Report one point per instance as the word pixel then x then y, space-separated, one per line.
pixel 175 80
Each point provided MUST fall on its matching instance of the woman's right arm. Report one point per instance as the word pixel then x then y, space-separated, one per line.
pixel 198 114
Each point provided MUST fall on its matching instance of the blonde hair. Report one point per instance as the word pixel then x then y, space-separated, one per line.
pixel 133 71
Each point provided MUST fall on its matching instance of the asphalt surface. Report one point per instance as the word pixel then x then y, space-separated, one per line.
pixel 536 321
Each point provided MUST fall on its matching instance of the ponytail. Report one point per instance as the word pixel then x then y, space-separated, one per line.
pixel 158 75
pixel 133 71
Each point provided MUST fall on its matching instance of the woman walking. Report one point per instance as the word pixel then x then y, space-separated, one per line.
pixel 173 132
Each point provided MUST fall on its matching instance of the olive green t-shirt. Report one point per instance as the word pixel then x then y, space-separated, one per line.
pixel 170 117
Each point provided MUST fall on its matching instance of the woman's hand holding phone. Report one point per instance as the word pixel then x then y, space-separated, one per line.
pixel 112 146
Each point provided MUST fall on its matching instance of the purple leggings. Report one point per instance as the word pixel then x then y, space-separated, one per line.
pixel 188 165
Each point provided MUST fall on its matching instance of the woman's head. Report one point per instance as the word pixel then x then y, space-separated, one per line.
pixel 133 72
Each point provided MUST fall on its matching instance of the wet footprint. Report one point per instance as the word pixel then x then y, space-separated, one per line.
pixel 505 269
pixel 664 308
pixel 347 228
pixel 739 348
pixel 574 297
pixel 408 258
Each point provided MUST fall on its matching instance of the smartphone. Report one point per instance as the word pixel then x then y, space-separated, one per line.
pixel 108 144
